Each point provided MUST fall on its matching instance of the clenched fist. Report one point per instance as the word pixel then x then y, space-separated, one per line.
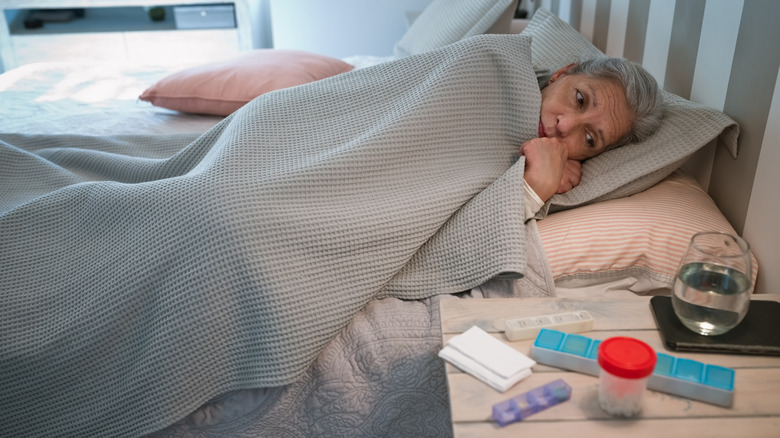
pixel 548 170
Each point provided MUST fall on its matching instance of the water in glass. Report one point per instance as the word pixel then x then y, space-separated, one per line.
pixel 712 290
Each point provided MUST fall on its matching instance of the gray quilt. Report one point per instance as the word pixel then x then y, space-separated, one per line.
pixel 135 286
pixel 379 377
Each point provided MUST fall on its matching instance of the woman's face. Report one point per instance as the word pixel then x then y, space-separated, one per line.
pixel 587 114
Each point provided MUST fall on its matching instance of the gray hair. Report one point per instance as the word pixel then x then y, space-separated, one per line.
pixel 642 93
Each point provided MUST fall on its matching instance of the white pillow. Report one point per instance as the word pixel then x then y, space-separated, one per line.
pixel 444 22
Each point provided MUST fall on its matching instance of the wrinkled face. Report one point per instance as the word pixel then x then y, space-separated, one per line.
pixel 587 114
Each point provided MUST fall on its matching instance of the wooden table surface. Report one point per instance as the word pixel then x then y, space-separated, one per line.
pixel 754 413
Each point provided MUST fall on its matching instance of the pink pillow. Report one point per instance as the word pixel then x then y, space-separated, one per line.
pixel 222 87
pixel 640 237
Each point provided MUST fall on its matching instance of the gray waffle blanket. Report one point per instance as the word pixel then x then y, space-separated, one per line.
pixel 135 285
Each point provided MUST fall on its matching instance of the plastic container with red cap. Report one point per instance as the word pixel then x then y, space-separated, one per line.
pixel 626 364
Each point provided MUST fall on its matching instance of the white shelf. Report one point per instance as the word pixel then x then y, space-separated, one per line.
pixel 115 19
pixel 116 29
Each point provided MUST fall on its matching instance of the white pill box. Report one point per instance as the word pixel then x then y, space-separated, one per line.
pixel 569 322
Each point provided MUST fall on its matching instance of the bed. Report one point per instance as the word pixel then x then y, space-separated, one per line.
pixel 374 370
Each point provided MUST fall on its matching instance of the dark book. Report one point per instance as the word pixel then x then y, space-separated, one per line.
pixel 758 333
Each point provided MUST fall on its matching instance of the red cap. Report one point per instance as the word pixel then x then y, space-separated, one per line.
pixel 626 357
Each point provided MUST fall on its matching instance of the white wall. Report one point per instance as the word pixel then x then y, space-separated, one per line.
pixel 260 16
pixel 341 28
pixel 761 225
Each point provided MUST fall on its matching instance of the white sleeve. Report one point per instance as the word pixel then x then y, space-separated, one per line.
pixel 531 201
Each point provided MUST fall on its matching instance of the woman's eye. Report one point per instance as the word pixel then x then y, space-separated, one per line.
pixel 589 140
pixel 580 99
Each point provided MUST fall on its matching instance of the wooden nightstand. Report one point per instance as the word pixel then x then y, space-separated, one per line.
pixel 755 411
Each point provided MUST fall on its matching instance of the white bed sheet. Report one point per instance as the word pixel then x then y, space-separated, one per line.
pixel 362 61
pixel 88 99
pixel 54 98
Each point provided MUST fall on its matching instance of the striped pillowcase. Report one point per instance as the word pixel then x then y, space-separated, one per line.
pixel 642 237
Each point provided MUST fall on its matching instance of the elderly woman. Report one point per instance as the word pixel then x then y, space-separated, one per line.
pixel 587 108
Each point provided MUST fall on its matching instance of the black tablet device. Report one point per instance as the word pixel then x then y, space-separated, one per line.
pixel 758 333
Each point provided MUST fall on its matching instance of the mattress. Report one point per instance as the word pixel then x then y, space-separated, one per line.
pixel 88 99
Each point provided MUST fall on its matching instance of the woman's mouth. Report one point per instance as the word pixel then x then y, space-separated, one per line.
pixel 541 130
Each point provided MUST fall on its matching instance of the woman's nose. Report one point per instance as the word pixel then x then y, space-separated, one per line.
pixel 567 123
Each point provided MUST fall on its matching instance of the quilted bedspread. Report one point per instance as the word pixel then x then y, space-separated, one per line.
pixel 136 284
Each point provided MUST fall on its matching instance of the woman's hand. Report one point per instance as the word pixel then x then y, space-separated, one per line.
pixel 572 173
pixel 547 168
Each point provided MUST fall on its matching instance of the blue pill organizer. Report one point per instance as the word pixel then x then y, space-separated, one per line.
pixel 672 375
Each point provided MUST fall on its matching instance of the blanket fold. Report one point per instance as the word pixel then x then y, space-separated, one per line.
pixel 135 285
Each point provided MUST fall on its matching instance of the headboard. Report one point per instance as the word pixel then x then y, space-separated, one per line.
pixel 719 53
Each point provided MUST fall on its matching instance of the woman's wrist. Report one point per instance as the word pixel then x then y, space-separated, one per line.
pixel 532 203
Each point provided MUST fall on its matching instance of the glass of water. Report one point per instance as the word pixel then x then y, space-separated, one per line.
pixel 714 282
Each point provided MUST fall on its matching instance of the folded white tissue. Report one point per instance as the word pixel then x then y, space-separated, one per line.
pixel 487 358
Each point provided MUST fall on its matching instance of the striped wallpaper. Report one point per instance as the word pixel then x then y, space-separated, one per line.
pixel 722 53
